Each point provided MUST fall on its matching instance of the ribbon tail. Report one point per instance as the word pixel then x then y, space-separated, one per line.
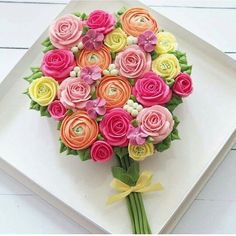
pixel 117 197
pixel 152 188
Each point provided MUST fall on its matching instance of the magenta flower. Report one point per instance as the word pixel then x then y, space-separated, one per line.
pixel 96 107
pixel 93 40
pixel 147 41
pixel 136 136
pixel 90 74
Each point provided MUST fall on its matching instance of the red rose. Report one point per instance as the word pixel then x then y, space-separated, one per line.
pixel 183 85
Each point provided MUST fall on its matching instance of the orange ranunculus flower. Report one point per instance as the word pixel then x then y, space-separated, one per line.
pixel 79 131
pixel 138 20
pixel 116 90
pixel 101 58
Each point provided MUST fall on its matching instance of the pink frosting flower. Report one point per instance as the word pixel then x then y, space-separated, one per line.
pixel 151 90
pixel 133 62
pixel 96 107
pixel 114 127
pixel 57 110
pixel 66 31
pixel 74 93
pixel 156 121
pixel 90 74
pixel 101 151
pixel 58 64
pixel 93 40
pixel 147 41
pixel 183 85
pixel 101 21
pixel 136 136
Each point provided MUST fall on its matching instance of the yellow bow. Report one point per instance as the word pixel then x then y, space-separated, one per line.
pixel 143 185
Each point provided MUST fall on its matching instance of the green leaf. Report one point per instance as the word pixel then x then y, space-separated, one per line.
pixel 132 97
pixel 59 125
pixel 154 55
pixel 85 30
pixel 164 145
pixel 84 154
pixel 63 148
pixel 133 171
pixel 183 59
pixel 46 42
pixel 113 55
pixel 34 76
pixel 99 118
pixel 27 93
pixel 78 14
pixel 44 111
pixel 174 135
pixel 49 48
pixel 117 172
pixel 121 151
pixel 174 102
pixel 84 16
pixel 94 95
pixel 100 137
pixel 176 120
pixel 71 152
pixel 118 25
pixel 35 69
pixel 135 123
pixel 170 82
pixel 69 112
pixel 34 105
pixel 127 179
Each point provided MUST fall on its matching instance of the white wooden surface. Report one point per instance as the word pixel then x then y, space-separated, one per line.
pixel 21 22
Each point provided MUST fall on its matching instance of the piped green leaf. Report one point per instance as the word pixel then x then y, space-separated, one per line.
pixel 84 154
pixel 63 148
pixel 34 105
pixel 121 151
pixel 133 171
pixel 164 145
pixel 174 102
pixel 44 111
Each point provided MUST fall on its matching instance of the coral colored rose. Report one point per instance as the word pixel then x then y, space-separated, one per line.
pixel 78 131
pixel 66 31
pixel 57 110
pixel 58 64
pixel 74 93
pixel 114 127
pixel 138 20
pixel 101 151
pixel 156 121
pixel 116 90
pixel 140 152
pixel 101 58
pixel 151 90
pixel 183 85
pixel 101 21
pixel 133 62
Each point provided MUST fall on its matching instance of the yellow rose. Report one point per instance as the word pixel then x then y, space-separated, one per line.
pixel 167 66
pixel 43 90
pixel 166 42
pixel 140 152
pixel 116 40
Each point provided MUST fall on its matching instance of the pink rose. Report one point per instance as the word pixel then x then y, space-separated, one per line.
pixel 115 126
pixel 66 31
pixel 101 151
pixel 74 93
pixel 57 110
pixel 101 21
pixel 183 85
pixel 151 90
pixel 133 62
pixel 156 121
pixel 58 64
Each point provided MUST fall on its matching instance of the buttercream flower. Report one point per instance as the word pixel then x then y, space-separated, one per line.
pixel 57 110
pixel 140 152
pixel 74 93
pixel 93 40
pixel 133 62
pixel 101 21
pixel 183 85
pixel 167 66
pixel 136 136
pixel 116 40
pixel 151 90
pixel 138 20
pixel 78 131
pixel 96 107
pixel 114 127
pixel 101 151
pixel 66 31
pixel 116 90
pixel 43 90
pixel 58 64
pixel 156 121
pixel 90 74
pixel 101 57
pixel 147 41
pixel 166 43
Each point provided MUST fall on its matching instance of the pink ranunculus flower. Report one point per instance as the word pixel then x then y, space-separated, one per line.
pixel 93 40
pixel 151 90
pixel 101 21
pixel 156 121
pixel 114 127
pixel 133 62
pixel 183 85
pixel 66 31
pixel 58 64
pixel 74 93
pixel 147 41
pixel 57 110
pixel 96 107
pixel 101 151
pixel 91 74
pixel 136 136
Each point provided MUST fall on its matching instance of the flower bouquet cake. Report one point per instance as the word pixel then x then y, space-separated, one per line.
pixel 112 83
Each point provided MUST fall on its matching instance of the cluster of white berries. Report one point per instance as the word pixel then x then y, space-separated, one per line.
pixel 75 72
pixel 111 70
pixel 132 40
pixel 133 107
pixel 78 47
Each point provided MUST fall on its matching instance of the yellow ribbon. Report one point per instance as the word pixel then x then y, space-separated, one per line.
pixel 143 185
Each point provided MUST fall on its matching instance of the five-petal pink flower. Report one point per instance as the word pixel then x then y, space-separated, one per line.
pixel 93 40
pixel 147 41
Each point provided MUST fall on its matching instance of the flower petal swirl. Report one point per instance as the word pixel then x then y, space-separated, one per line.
pixel 166 43
pixel 140 152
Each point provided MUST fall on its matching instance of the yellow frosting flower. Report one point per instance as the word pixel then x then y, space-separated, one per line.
pixel 116 40
pixel 140 152
pixel 167 66
pixel 166 42
pixel 43 90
